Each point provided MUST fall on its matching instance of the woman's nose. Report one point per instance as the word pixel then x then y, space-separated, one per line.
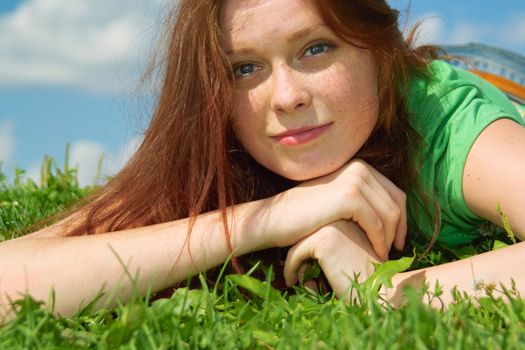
pixel 290 93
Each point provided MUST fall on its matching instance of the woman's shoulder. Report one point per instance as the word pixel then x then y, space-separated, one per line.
pixel 449 110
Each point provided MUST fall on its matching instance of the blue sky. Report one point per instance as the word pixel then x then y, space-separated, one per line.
pixel 68 70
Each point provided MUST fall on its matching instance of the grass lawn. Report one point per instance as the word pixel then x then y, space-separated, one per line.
pixel 244 312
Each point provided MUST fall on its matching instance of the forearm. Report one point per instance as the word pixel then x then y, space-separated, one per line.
pixel 282 220
pixel 467 275
pixel 156 257
pixel 78 268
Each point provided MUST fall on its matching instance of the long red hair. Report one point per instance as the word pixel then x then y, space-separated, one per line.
pixel 190 161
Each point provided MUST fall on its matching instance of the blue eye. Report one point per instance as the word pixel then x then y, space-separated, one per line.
pixel 316 49
pixel 245 70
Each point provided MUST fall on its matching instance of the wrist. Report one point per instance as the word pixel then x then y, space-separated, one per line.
pixel 248 232
pixel 395 294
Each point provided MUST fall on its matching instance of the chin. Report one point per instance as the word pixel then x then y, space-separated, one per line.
pixel 302 174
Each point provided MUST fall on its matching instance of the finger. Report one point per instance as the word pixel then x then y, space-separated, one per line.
pixel 311 284
pixel 297 256
pixel 402 228
pixel 367 218
pixel 385 207
pixel 302 269
pixel 300 276
pixel 399 198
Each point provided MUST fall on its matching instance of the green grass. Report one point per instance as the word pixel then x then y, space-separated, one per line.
pixel 244 312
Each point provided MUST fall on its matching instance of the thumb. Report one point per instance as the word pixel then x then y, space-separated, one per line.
pixel 296 260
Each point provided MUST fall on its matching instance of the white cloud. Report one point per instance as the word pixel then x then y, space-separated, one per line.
pixel 116 161
pixel 34 171
pixel 464 33
pixel 7 140
pixel 514 32
pixel 430 30
pixel 435 29
pixel 85 155
pixel 94 45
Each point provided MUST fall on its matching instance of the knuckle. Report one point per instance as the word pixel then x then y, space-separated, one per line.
pixel 360 167
pixel 327 232
pixel 327 236
pixel 357 181
pixel 291 253
pixel 379 228
pixel 394 215
pixel 402 197
pixel 358 162
pixel 353 187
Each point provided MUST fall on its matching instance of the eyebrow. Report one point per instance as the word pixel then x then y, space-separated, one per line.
pixel 294 37
pixel 304 32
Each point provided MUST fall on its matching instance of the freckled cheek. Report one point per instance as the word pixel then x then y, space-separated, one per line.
pixel 350 99
pixel 248 118
pixel 247 105
pixel 338 94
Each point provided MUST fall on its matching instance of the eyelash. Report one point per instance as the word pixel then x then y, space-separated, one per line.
pixel 327 46
pixel 239 75
pixel 243 75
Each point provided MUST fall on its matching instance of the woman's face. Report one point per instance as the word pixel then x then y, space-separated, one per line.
pixel 305 101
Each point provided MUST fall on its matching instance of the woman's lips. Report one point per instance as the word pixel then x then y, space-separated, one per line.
pixel 301 135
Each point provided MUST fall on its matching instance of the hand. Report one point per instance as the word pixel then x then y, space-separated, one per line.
pixel 342 250
pixel 372 201
pixel 355 192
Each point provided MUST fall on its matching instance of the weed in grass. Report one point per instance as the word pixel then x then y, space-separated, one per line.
pixel 25 202
pixel 506 224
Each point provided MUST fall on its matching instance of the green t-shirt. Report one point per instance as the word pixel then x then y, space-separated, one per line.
pixel 449 113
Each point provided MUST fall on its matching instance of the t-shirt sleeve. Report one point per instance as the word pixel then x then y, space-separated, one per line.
pixel 452 112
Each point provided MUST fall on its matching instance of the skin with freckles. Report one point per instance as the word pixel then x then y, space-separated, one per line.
pixel 305 101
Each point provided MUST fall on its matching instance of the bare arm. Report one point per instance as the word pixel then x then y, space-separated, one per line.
pixel 495 173
pixel 78 268
pixel 469 275
pixel 343 251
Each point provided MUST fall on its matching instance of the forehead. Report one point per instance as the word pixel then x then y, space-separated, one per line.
pixel 254 18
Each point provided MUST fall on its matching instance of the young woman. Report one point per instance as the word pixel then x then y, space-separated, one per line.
pixel 305 124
